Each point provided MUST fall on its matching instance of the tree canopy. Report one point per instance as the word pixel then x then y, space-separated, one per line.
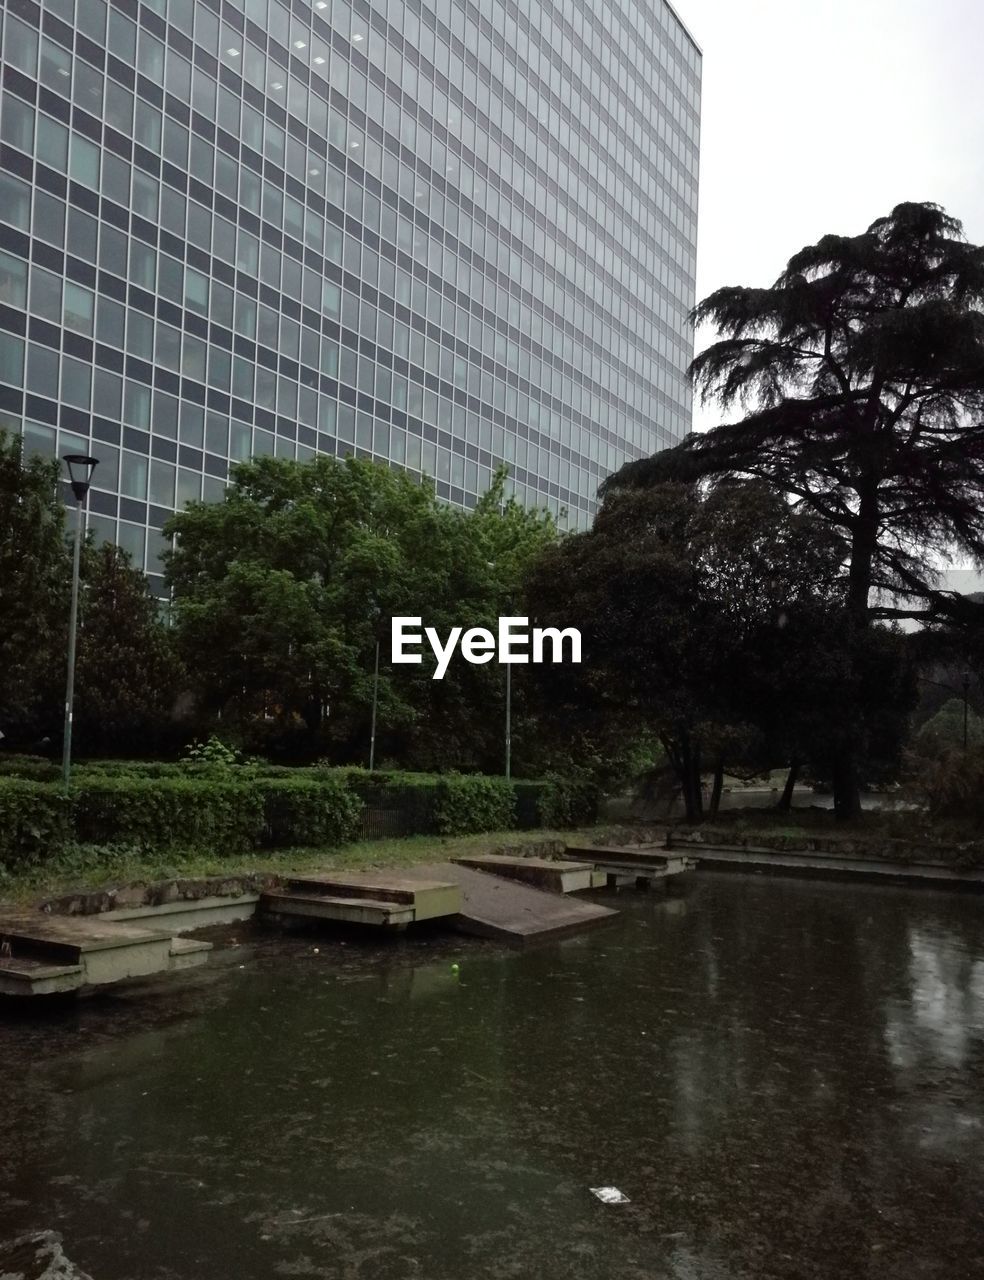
pixel 861 376
pixel 684 597
pixel 281 592
pixel 861 371
pixel 34 568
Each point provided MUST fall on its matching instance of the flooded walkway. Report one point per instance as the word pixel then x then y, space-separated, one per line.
pixel 785 1078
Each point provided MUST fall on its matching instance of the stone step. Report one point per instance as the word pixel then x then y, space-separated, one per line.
pixel 44 952
pixel 107 951
pixel 648 860
pixel 545 873
pixel 324 906
pixel 188 953
pixel 27 977
pixel 428 898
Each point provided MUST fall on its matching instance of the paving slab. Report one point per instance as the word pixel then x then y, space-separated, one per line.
pixel 77 934
pixel 543 873
pixel 493 907
pixel 28 977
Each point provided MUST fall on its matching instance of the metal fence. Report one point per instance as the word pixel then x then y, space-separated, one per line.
pixel 384 824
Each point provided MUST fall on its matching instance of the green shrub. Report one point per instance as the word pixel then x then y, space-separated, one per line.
pixel 35 823
pixel 213 751
pixel 160 813
pixel 33 768
pixel 569 801
pixel 947 781
pixel 305 812
pixel 467 803
pixel 415 794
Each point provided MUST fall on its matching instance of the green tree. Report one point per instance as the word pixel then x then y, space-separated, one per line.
pixel 281 591
pixel 128 679
pixel 34 569
pixel 946 728
pixel 461 720
pixel 674 589
pixel 861 371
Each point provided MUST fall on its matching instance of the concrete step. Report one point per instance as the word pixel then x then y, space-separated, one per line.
pixel 42 953
pixel 188 953
pixel 27 977
pixel 428 898
pixel 107 951
pixel 323 906
pixel 544 873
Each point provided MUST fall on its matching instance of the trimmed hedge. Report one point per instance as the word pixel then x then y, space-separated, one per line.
pixel 230 810
pixel 163 813
pixel 470 802
pixel 308 812
pixel 35 823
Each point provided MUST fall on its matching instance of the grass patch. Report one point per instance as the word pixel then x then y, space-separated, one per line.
pixel 95 866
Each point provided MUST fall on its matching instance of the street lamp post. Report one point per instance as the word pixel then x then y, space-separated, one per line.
pixel 80 469
pixel 375 703
pixel 508 721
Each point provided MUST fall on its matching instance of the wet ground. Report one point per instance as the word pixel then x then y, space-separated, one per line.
pixel 786 1079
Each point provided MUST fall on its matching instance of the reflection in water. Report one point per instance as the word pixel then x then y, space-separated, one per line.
pixel 784 1078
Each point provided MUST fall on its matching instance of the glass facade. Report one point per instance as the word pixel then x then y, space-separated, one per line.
pixel 442 233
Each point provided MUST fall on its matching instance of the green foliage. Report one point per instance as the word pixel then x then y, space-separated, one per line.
pixel 306 812
pixel 194 813
pixel 569 801
pixel 947 781
pixel 35 823
pixel 155 808
pixel 946 728
pixel 128 678
pixel 212 752
pixel 32 768
pixel 859 376
pixel 282 590
pixel 34 579
pixel 469 803
pixel 676 591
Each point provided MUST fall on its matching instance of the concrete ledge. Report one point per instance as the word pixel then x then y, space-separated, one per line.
pixel 807 862
pixel 186 915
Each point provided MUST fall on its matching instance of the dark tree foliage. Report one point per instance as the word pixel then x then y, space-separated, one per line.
pixel 128 679
pixel 684 598
pixel 861 374
pixel 34 569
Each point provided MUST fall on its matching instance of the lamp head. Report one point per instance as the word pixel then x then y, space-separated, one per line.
pixel 80 469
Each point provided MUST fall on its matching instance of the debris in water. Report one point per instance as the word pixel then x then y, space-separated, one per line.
pixel 609 1195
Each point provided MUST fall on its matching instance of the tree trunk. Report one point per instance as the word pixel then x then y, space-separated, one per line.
pixel 864 542
pixel 847 792
pixel 690 778
pixel 786 799
pixel 715 801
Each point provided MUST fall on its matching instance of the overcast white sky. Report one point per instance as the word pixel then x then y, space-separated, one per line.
pixel 820 115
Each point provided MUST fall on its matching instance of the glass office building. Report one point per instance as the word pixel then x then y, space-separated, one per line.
pixel 449 234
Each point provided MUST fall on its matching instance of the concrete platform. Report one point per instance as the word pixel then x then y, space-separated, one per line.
pixel 542 873
pixel 807 862
pixel 429 897
pixel 27 977
pixel 41 954
pixel 493 907
pixel 641 865
pixel 288 904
